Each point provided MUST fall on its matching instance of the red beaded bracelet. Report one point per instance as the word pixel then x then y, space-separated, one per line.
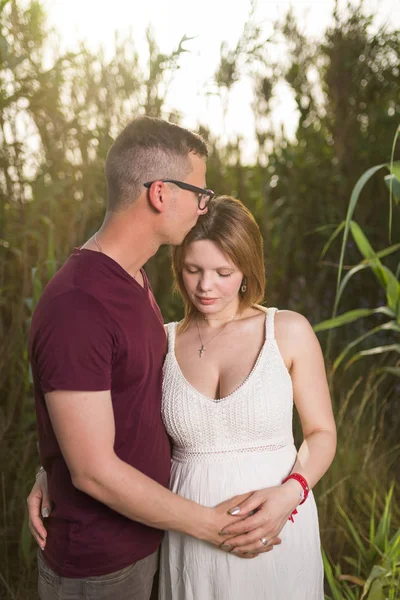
pixel 305 491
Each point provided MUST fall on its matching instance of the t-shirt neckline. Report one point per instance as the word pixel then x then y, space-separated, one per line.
pixel 116 265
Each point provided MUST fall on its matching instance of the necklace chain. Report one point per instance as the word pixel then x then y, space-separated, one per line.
pixel 99 248
pixel 202 349
pixel 216 319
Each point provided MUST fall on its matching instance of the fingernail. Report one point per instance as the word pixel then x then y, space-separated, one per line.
pixel 234 511
pixel 235 551
pixel 226 546
pixel 223 533
pixel 45 512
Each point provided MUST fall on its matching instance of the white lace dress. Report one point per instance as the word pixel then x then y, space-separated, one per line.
pixel 231 446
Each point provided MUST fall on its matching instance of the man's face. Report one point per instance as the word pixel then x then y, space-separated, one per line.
pixel 184 210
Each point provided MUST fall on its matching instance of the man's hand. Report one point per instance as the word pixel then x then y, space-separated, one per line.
pixel 39 507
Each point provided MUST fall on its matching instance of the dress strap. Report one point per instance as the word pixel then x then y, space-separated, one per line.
pixel 269 323
pixel 171 332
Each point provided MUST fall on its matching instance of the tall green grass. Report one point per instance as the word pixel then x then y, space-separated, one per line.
pixel 359 496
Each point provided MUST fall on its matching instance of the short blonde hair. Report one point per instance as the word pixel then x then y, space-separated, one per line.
pixel 230 225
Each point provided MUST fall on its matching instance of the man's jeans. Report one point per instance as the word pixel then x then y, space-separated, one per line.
pixel 132 583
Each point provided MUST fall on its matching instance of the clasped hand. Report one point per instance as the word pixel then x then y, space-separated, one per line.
pixel 261 516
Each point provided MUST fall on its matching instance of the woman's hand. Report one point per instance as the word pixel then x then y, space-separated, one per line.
pixel 39 507
pixel 218 520
pixel 273 506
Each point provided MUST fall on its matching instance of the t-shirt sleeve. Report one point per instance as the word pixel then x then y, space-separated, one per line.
pixel 73 344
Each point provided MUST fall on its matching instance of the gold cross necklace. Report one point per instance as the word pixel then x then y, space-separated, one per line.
pixel 202 349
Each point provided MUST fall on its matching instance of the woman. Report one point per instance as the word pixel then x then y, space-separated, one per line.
pixel 231 373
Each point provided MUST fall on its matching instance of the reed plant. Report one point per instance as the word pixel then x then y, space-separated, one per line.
pixel 359 496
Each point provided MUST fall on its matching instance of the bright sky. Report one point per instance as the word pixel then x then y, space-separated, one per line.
pixel 210 22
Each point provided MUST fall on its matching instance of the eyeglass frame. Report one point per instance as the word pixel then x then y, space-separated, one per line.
pixel 188 187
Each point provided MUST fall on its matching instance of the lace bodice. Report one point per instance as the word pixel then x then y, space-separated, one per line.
pixel 256 416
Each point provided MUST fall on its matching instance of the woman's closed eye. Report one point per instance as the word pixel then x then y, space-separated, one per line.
pixel 191 270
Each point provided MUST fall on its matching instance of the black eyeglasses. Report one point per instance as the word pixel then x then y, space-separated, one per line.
pixel 204 196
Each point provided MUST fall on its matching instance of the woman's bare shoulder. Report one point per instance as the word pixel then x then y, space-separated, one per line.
pixel 289 321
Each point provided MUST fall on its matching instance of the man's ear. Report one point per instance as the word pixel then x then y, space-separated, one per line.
pixel 156 196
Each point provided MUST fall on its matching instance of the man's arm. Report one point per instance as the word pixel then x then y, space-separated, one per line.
pixel 83 423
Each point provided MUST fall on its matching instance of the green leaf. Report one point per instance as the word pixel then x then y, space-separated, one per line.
pixel 393 184
pixel 362 241
pixel 348 276
pixel 351 561
pixel 365 177
pixel 361 550
pixel 331 240
pixel 391 370
pixel 366 264
pixel 388 250
pixel 374 588
pixel 372 352
pixel 367 251
pixel 395 169
pixel 394 549
pixel 350 316
pixel 372 517
pixel 383 529
pixel 333 584
pixel 392 290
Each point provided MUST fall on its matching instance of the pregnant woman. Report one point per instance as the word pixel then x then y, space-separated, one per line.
pixel 232 373
pixel 230 376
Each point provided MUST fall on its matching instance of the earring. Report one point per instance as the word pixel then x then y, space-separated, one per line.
pixel 243 287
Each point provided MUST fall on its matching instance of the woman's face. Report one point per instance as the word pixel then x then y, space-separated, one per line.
pixel 211 279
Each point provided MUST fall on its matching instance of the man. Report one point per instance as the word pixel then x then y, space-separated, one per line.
pixel 97 345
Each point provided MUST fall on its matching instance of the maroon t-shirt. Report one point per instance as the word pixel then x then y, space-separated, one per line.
pixel 95 328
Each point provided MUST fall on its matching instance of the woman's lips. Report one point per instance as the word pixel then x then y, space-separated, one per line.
pixel 205 301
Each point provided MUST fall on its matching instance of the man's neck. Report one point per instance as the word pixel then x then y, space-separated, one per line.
pixel 126 240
